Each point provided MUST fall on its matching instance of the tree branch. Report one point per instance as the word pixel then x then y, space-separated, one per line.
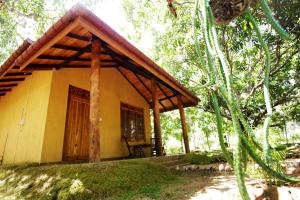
pixel 273 72
pixel 285 98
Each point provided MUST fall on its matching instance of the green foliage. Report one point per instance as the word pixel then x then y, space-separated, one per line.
pixel 15 18
pixel 203 158
pixel 174 51
pixel 20 19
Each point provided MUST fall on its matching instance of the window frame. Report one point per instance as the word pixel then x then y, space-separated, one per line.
pixel 137 113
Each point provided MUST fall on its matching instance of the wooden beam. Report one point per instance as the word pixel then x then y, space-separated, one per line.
pixel 119 59
pixel 133 86
pixel 57 37
pixel 17 67
pixel 17 74
pixel 12 80
pixel 166 95
pixel 169 97
pixel 183 124
pixel 125 62
pixel 74 48
pixel 122 46
pixel 156 117
pixel 71 48
pixel 147 88
pixel 8 85
pixel 5 90
pixel 36 67
pixel 75 56
pixel 49 57
pixel 94 133
pixel 78 37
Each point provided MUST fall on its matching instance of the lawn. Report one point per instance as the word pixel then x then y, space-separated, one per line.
pixel 131 179
pixel 128 179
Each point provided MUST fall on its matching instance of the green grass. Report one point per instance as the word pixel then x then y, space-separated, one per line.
pixel 109 180
pixel 202 158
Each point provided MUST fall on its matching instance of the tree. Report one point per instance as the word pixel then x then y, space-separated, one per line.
pixel 20 18
pixel 234 77
pixel 15 18
pixel 174 51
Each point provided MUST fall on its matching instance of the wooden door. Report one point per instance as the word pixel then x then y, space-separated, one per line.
pixel 76 141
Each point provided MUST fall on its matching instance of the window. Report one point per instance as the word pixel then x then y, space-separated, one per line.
pixel 132 122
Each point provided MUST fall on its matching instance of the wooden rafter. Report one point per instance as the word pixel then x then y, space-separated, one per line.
pixel 118 68
pixel 12 80
pixel 32 67
pixel 165 98
pixel 159 86
pixel 5 90
pixel 8 85
pixel 75 56
pixel 125 62
pixel 78 37
pixel 17 74
pixel 148 89
pixel 65 47
pixel 49 57
pixel 73 48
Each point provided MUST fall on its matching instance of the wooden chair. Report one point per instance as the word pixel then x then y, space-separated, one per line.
pixel 135 150
pixel 128 146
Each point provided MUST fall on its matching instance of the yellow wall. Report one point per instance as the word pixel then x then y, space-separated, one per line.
pixel 22 119
pixel 113 90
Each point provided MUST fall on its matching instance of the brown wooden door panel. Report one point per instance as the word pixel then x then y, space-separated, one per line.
pixel 76 132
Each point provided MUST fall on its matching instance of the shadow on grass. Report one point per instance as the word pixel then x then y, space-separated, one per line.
pixel 109 180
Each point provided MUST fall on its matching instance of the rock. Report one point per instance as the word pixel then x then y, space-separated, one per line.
pixel 266 194
pixel 186 168
pixel 177 168
pixel 228 168
pixel 193 167
pixel 290 170
pixel 296 164
pixel 296 170
pixel 221 167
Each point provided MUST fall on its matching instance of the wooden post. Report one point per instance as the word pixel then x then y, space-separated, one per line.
pixel 157 129
pixel 94 133
pixel 183 124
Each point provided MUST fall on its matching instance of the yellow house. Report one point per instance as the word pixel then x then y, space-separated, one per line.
pixel 80 92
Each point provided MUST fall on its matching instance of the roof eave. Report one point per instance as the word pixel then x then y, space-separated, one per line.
pixel 79 11
pixel 10 62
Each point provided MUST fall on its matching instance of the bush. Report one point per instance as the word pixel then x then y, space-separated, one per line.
pixel 204 158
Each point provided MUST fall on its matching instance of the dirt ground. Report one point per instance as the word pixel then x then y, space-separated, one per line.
pixel 221 186
pixel 225 187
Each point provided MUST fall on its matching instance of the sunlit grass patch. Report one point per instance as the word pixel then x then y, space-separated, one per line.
pixel 109 180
